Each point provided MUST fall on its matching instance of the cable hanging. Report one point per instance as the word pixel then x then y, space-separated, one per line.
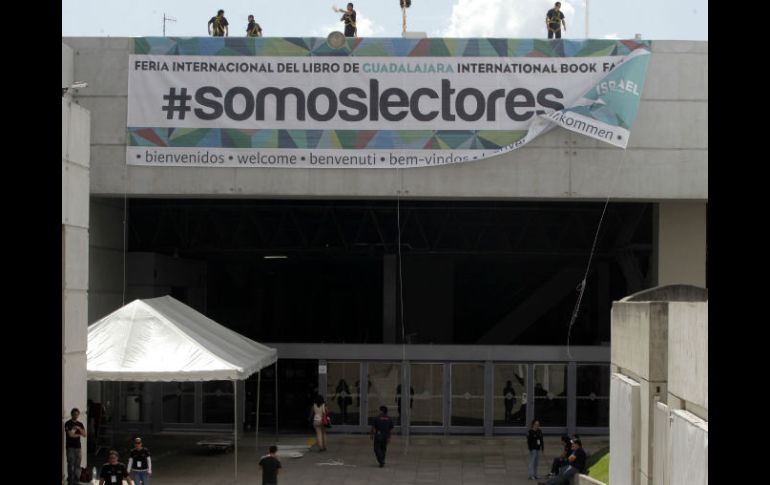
pixel 582 285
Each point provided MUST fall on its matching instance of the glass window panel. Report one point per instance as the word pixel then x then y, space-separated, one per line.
pixel 593 395
pixel 510 395
pixel 551 394
pixel 427 406
pixel 179 402
pixel 342 397
pixel 384 389
pixel 467 395
pixel 134 401
pixel 218 402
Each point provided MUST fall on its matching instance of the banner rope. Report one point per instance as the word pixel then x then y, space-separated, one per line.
pixel 404 426
pixel 582 285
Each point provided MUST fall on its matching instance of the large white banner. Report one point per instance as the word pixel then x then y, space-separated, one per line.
pixel 318 108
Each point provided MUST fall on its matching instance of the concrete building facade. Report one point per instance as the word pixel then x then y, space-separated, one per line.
pixel 665 165
pixel 75 177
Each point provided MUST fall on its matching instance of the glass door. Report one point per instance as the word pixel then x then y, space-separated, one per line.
pixel 342 397
pixel 427 397
pixel 551 395
pixel 467 397
pixel 510 395
pixel 384 389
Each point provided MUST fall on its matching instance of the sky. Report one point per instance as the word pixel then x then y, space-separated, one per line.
pixel 608 19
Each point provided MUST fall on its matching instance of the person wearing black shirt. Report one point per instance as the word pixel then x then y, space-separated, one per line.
pixel 113 473
pixel 554 19
pixel 380 433
pixel 577 464
pixel 510 399
pixel 220 25
pixel 271 467
pixel 140 463
pixel 253 29
pixel 561 460
pixel 535 445
pixel 349 17
pixel 74 429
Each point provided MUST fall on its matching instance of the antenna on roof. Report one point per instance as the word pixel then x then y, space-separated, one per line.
pixel 169 19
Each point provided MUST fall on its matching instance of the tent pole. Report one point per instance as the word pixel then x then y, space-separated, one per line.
pixel 256 426
pixel 276 400
pixel 235 425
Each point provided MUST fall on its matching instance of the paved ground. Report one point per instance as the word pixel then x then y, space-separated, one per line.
pixel 427 460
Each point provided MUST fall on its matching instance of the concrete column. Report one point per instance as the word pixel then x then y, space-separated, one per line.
pixel 76 123
pixel 406 395
pixel 530 394
pixel 680 242
pixel 241 405
pixel 571 397
pixel 489 396
pixel 364 397
pixel 389 299
pixel 322 377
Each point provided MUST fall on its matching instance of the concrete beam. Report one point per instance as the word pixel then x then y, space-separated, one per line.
pixel 439 353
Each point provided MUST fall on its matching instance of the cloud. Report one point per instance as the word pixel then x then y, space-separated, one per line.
pixel 504 18
pixel 613 35
pixel 367 28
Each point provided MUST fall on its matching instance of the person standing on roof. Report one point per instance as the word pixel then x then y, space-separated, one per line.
pixel 220 25
pixel 349 17
pixel 253 29
pixel 554 19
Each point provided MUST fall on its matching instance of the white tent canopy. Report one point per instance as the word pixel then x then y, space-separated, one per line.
pixel 162 339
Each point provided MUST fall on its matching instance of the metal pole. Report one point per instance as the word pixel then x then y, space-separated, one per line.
pixel 587 19
pixel 235 425
pixel 164 22
pixel 256 426
pixel 276 400
pixel 403 10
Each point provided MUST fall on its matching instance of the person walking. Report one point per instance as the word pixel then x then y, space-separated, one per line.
pixel 380 433
pixel 320 420
pixel 140 463
pixel 536 446
pixel 114 472
pixel 271 466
